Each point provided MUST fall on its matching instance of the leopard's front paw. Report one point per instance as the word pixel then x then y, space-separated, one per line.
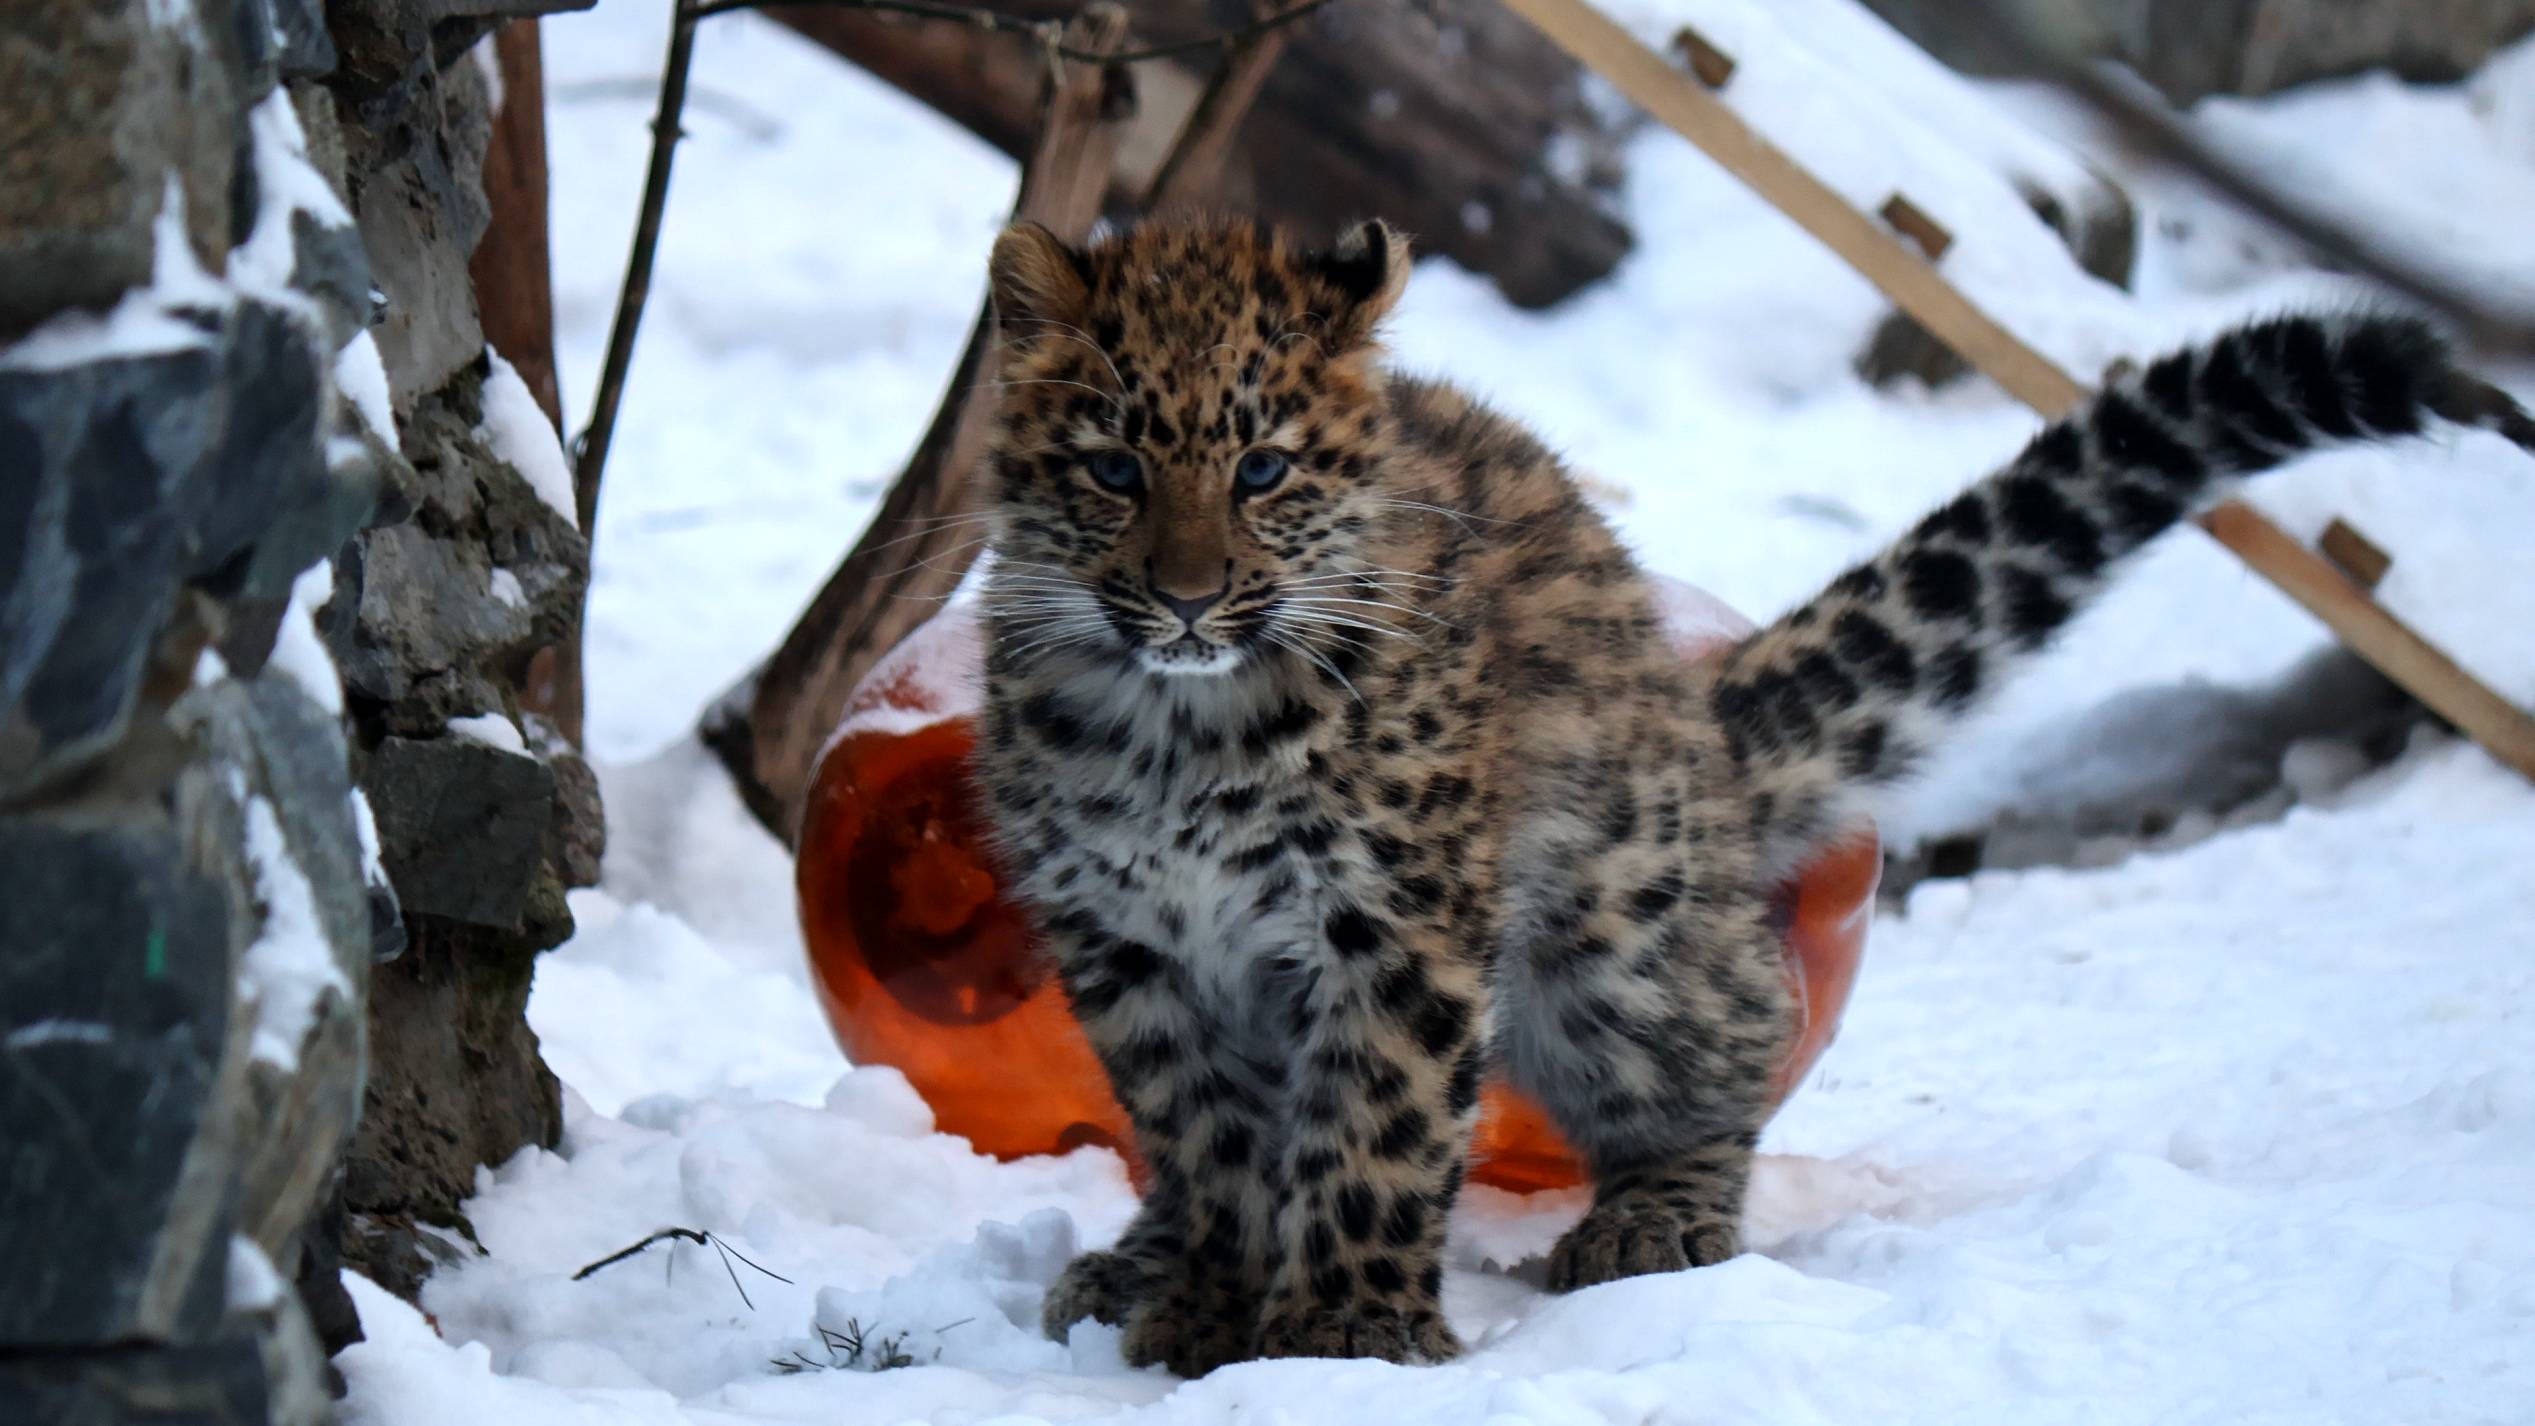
pixel 1191 1328
pixel 1104 1287
pixel 1634 1233
pixel 1394 1333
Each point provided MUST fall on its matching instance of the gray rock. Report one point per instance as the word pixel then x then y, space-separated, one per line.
pixel 98 107
pixel 262 1370
pixel 290 753
pixel 118 1081
pixel 307 51
pixel 461 826
pixel 433 641
pixel 161 503
pixel 134 477
pixel 419 143
pixel 428 621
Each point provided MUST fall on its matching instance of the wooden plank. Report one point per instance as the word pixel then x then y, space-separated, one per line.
pixel 1878 255
pixel 1914 286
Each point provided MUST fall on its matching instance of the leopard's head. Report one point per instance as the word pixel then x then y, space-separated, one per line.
pixel 1188 451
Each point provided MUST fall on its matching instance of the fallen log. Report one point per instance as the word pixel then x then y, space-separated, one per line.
pixel 1451 118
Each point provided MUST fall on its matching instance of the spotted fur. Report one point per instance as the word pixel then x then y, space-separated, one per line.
pixel 1334 792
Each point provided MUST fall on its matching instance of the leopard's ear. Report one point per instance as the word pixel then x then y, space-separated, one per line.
pixel 1369 268
pixel 1035 277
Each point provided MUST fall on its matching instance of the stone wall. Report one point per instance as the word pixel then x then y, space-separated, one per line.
pixel 270 523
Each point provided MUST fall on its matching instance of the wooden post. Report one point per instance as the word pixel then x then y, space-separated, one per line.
pixel 511 268
pixel 512 272
pixel 1915 286
pixel 770 728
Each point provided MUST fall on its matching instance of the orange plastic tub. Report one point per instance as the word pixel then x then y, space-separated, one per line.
pixel 921 964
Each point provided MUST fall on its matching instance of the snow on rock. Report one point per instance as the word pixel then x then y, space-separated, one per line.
pixel 493 730
pixel 365 829
pixel 299 651
pixel 517 431
pixel 290 966
pixel 360 375
pixel 146 321
pixel 253 1282
pixel 286 184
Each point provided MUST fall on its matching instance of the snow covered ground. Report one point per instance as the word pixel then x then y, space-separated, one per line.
pixel 2244 1132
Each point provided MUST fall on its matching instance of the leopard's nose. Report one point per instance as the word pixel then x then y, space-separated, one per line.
pixel 1189 608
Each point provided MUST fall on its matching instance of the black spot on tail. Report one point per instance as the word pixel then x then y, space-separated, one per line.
pixel 1965 517
pixel 2037 514
pixel 2235 395
pixel 2388 362
pixel 2132 438
pixel 2034 608
pixel 1941 584
pixel 1958 673
pixel 1867 646
pixel 2306 361
pixel 2169 385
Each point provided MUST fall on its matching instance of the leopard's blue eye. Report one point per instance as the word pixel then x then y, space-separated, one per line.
pixel 1117 470
pixel 1259 470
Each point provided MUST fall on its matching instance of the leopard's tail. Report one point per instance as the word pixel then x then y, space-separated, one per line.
pixel 1843 695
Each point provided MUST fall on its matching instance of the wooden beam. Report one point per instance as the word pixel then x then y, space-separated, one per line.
pixel 1915 286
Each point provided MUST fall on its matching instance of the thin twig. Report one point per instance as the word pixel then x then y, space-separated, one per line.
pixel 701 1239
pixel 591 449
pixel 1043 30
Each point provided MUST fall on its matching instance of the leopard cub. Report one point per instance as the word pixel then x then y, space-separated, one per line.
pixel 1336 746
